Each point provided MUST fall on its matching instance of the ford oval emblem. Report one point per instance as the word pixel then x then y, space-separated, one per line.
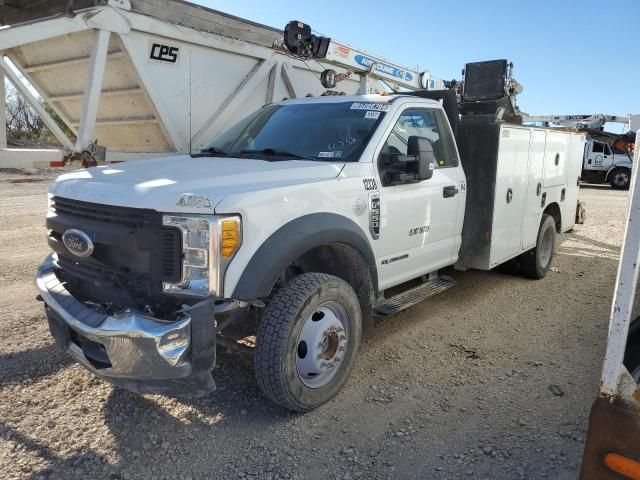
pixel 77 242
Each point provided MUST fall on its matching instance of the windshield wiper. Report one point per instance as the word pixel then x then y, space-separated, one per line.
pixel 210 152
pixel 274 152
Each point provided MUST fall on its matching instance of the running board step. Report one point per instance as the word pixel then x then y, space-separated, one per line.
pixel 413 296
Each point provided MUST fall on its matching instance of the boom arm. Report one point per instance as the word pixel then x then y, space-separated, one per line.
pixel 300 42
pixel 580 121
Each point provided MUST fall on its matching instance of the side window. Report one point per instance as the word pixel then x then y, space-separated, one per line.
pixel 420 122
pixel 449 154
pixel 607 150
pixel 598 147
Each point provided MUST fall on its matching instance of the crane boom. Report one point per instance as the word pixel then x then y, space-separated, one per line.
pixel 592 121
pixel 376 67
pixel 300 42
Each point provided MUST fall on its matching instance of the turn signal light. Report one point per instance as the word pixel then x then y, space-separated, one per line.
pixel 230 238
pixel 625 466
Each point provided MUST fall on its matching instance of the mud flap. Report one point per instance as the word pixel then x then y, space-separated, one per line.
pixel 581 213
pixel 613 427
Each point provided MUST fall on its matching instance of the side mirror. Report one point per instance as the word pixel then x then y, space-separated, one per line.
pixel 422 150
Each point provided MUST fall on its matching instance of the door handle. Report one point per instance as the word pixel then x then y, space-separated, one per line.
pixel 449 191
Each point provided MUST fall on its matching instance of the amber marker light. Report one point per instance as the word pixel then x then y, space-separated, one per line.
pixel 230 237
pixel 625 466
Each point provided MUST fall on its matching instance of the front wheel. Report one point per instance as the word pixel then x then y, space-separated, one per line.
pixel 536 262
pixel 307 341
pixel 620 178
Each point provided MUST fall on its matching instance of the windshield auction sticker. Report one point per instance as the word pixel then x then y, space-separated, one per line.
pixel 378 107
pixel 336 153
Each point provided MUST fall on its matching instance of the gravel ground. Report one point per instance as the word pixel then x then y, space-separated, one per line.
pixel 491 380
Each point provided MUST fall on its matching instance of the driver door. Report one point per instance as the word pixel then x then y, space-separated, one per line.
pixel 418 219
pixel 596 158
pixel 608 157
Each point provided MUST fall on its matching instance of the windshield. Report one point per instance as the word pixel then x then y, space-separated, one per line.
pixel 312 131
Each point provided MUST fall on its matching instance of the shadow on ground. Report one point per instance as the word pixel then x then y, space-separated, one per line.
pixel 33 364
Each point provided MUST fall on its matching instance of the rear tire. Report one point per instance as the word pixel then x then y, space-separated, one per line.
pixel 307 341
pixel 620 178
pixel 536 262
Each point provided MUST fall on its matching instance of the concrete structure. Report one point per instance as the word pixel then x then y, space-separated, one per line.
pixel 144 78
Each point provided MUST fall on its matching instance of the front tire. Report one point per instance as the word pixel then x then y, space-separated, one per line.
pixel 536 262
pixel 620 178
pixel 307 341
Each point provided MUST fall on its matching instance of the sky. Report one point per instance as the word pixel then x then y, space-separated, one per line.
pixel 572 57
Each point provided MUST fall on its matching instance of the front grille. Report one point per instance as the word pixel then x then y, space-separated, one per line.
pixel 95 212
pixel 170 258
pixel 133 252
pixel 84 270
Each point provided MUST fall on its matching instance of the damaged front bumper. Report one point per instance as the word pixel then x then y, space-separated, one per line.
pixel 133 350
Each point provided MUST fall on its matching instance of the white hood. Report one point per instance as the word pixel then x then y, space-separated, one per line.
pixel 158 183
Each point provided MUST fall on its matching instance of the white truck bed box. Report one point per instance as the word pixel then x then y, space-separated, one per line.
pixel 514 173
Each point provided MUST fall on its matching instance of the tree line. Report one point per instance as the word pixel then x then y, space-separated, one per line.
pixel 24 126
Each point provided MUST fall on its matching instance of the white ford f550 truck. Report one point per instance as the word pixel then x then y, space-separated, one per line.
pixel 290 228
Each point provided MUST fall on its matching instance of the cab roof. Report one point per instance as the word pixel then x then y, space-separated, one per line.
pixel 371 97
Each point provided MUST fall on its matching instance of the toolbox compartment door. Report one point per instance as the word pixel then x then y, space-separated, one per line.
pixel 555 158
pixel 510 194
pixel 533 208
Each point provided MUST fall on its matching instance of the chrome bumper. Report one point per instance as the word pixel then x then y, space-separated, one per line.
pixel 132 350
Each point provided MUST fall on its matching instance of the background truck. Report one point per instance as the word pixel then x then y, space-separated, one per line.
pixel 607 156
pixel 605 163
pixel 299 224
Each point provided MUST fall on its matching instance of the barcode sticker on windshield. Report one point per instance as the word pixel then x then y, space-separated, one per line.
pixel 371 114
pixel 336 153
pixel 379 107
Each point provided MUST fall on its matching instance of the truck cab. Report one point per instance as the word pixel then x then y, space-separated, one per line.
pixel 605 164
pixel 291 227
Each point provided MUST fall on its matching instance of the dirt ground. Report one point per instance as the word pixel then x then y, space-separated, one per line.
pixel 491 380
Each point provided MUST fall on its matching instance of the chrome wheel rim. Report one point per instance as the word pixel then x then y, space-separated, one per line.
pixel 546 247
pixel 322 344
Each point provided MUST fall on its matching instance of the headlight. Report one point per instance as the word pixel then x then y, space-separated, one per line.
pixel 208 245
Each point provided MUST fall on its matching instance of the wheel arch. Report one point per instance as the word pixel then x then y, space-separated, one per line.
pixel 553 209
pixel 319 242
pixel 616 167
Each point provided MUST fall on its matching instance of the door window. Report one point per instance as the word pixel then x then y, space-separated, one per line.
pixel 420 122
pixel 598 147
pixel 607 150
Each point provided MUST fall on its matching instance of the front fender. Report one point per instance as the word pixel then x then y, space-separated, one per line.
pixel 291 241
